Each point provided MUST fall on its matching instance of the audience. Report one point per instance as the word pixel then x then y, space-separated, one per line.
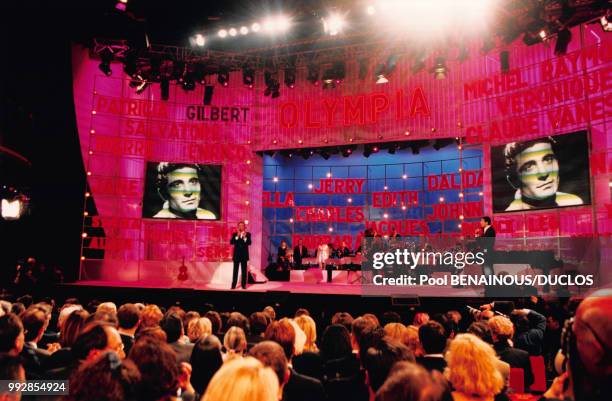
pixel 243 379
pixel 472 369
pixel 129 320
pixel 433 340
pixel 502 331
pixel 354 359
pixel 206 359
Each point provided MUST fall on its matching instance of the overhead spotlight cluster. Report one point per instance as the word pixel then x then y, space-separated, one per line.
pixel 367 149
pixel 271 25
pixel 334 23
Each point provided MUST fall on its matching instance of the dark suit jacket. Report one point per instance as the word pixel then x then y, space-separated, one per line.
pixel 516 358
pixel 298 256
pixel 302 388
pixel 33 361
pixel 241 247
pixel 128 341
pixel 183 351
pixel 432 363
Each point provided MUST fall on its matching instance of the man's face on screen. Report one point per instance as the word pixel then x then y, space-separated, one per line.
pixel 538 171
pixel 184 189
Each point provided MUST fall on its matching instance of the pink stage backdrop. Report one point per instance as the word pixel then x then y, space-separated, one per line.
pixel 120 131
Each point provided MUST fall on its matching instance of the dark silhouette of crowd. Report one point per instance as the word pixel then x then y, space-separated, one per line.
pixel 141 351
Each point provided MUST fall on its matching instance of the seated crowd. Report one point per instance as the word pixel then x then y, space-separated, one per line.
pixel 145 352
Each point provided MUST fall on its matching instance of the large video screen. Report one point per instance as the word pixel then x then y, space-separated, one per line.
pixel 182 191
pixel 543 173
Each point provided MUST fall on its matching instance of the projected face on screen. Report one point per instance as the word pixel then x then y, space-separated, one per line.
pixel 535 173
pixel 538 171
pixel 182 191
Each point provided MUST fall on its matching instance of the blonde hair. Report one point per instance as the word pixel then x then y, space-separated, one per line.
pixel 309 327
pixel 243 379
pixel 235 341
pixel 151 316
pixel 108 307
pixel 199 328
pixel 473 367
pixel 501 327
pixel 396 331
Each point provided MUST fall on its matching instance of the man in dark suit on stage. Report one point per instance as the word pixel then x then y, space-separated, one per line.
pixel 241 241
pixel 299 253
pixel 487 243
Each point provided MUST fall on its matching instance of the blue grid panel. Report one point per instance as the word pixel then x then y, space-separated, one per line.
pixel 376 172
pixel 269 172
pixel 269 185
pixel 303 173
pixel 284 213
pixel 268 213
pixel 283 228
pixel 284 186
pixel 340 172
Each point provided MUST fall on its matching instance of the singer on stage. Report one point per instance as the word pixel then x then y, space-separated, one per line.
pixel 241 241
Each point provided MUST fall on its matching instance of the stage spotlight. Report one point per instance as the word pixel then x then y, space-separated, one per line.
pixel 272 84
pixel 606 23
pixel 209 90
pixel 347 152
pixel 306 155
pixel 232 32
pixel 279 23
pixel 165 88
pixel 324 154
pixel 105 63
pixel 564 38
pixel 333 24
pixel 222 33
pixel 200 40
pixel 244 30
pixel 290 77
pixel 223 76
pixel 416 149
pixel 370 10
pixel 439 70
pixel 393 148
pixel 248 76
pixel 442 143
pixel 313 74
pixel 270 153
pixel 256 27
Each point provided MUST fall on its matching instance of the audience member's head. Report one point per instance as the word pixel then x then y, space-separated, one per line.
pixel 108 307
pixel 283 333
pixel 447 321
pixel 271 354
pixel 411 382
pixel 358 327
pixel 301 312
pixel 502 329
pixel 432 337
pixel 128 316
pixel 344 319
pixel 309 327
pixel 411 340
pixel 205 360
pixel 237 319
pixel 95 339
pixel 390 317
pixel 153 332
pixel 107 378
pixel 199 328
pixel 268 310
pixel 336 343
pixel 189 316
pixel 380 357
pixel 12 336
pixel 11 368
pixel 481 330
pixel 590 348
pixel 172 324
pixel 472 367
pixel 235 341
pixel 35 323
pixel 158 368
pixel 258 323
pixel 65 312
pixel 151 316
pixel 372 317
pixel 102 316
pixel 396 331
pixel 72 326
pixel 420 318
pixel 17 308
pixel 215 320
pixel 243 379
